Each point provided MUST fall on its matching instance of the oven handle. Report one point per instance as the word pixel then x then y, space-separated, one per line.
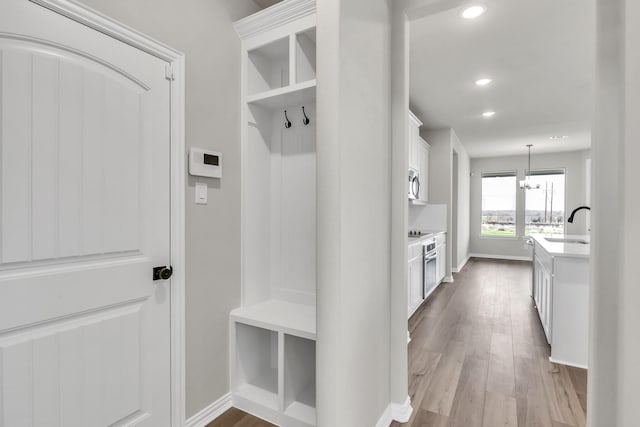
pixel 431 258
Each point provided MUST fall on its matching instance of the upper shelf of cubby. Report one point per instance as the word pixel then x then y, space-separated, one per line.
pixel 294 95
pixel 277 315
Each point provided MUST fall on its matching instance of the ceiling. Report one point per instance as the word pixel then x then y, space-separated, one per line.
pixel 266 3
pixel 540 55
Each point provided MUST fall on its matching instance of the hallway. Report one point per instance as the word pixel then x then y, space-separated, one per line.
pixel 478 356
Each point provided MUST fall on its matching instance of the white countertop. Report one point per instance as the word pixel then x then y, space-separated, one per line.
pixel 575 250
pixel 426 234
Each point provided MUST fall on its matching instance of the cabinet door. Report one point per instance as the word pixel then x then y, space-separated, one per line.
pixel 546 303
pixel 414 134
pixel 423 156
pixel 537 283
pixel 415 283
pixel 442 262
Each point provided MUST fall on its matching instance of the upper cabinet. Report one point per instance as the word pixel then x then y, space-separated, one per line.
pixel 423 170
pixel 414 134
pixel 419 157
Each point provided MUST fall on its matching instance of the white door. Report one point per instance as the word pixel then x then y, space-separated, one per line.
pixel 84 216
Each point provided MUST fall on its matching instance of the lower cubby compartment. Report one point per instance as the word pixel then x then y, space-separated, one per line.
pixel 300 378
pixel 257 364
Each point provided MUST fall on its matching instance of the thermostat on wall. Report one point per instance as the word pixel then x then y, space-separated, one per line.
pixel 205 163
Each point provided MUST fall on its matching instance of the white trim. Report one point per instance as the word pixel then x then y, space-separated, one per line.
pixel 85 15
pixel 211 412
pixel 459 268
pixel 275 16
pixel 402 412
pixel 103 24
pixel 395 412
pixel 560 362
pixel 385 419
pixel 448 279
pixel 496 256
pixel 178 249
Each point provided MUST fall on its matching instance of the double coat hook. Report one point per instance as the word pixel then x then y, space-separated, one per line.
pixel 287 122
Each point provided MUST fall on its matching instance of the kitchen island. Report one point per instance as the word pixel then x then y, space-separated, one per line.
pixel 561 294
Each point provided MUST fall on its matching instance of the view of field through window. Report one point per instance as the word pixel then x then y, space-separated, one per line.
pixel 544 206
pixel 544 211
pixel 499 204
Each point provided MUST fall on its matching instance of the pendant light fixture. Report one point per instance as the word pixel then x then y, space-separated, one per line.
pixel 526 184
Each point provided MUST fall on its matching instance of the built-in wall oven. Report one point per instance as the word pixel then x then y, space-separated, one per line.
pixel 429 272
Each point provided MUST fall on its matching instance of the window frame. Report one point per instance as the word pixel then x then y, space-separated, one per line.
pixel 546 171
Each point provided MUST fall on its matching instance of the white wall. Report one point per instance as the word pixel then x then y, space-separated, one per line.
pixel 443 144
pixel 614 348
pixel 630 295
pixel 575 195
pixel 354 211
pixel 464 207
pixel 203 31
pixel 428 217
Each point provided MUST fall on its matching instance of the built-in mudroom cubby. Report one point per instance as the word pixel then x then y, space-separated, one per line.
pixel 273 333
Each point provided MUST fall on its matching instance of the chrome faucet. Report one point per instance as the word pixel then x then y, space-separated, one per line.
pixel 574 212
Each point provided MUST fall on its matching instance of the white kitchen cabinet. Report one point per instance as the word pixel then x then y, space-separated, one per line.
pixel 415 278
pixel 543 293
pixel 423 171
pixel 414 138
pixel 441 254
pixel 273 332
pixel 561 295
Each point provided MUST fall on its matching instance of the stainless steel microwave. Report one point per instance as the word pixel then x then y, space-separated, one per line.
pixel 414 184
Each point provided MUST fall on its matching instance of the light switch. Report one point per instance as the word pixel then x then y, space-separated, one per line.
pixel 201 193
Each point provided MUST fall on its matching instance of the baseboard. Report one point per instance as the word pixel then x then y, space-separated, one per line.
pixel 461 266
pixel 448 279
pixel 507 257
pixel 401 412
pixel 560 362
pixel 395 412
pixel 385 419
pixel 211 412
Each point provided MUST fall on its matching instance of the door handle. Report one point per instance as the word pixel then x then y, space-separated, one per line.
pixel 162 272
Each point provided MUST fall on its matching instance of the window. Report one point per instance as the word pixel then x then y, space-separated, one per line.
pixel 544 206
pixel 498 204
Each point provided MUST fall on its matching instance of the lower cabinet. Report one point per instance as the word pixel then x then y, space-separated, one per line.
pixel 542 295
pixel 561 295
pixel 441 262
pixel 415 283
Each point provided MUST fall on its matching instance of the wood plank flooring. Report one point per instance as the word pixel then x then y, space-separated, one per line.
pixel 478 356
pixel 234 417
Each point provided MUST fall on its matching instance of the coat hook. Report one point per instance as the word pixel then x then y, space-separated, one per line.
pixel 305 120
pixel 287 123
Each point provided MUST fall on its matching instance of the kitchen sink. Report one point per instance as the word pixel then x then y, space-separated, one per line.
pixel 566 240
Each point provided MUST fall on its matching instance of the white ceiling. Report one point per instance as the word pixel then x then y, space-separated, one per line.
pixel 540 54
pixel 266 3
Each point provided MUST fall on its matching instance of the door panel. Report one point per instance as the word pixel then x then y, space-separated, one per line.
pixel 84 216
pixel 74 190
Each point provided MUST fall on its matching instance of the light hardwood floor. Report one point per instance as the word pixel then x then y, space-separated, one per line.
pixel 236 418
pixel 478 356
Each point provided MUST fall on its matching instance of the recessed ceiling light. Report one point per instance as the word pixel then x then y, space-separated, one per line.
pixel 488 114
pixel 473 12
pixel 554 137
pixel 483 82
